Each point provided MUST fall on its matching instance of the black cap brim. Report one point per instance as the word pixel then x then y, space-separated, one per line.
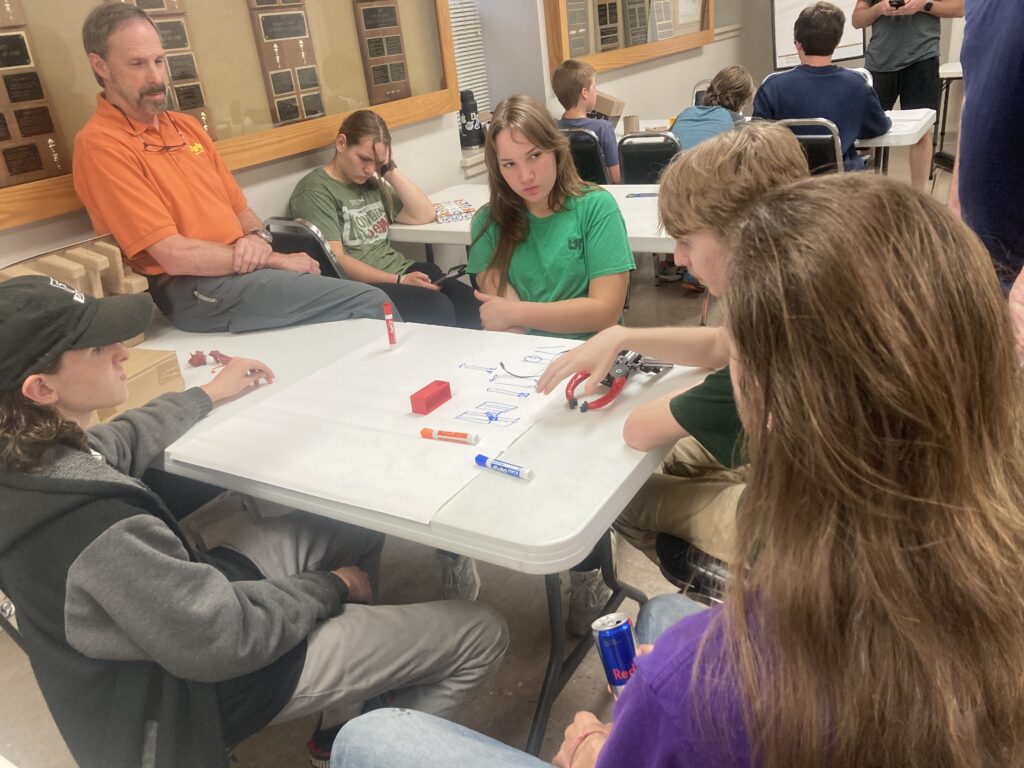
pixel 117 318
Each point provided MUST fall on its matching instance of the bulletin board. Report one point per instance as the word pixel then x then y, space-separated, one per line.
pixel 784 15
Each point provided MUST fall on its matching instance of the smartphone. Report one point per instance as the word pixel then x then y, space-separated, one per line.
pixel 456 271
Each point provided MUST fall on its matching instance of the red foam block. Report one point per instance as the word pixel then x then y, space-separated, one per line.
pixel 430 397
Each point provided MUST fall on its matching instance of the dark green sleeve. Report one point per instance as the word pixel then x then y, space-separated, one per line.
pixel 481 251
pixel 316 205
pixel 708 412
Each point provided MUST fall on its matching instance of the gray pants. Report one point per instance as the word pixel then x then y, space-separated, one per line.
pixel 267 298
pixel 431 657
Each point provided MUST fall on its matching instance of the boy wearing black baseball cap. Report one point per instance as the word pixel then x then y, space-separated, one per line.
pixel 147 651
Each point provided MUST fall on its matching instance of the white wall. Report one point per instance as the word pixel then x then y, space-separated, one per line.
pixel 515 42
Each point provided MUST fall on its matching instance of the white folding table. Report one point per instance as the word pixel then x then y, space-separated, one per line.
pixel 584 474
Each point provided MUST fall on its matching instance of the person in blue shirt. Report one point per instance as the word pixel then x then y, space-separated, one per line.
pixel 575 85
pixel 818 88
pixel 720 109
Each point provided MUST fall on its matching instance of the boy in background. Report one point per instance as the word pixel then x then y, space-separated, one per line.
pixel 819 88
pixel 575 85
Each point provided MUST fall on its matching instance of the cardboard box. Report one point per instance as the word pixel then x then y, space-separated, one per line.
pixel 608 107
pixel 151 372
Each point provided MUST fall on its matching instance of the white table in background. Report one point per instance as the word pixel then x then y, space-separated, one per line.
pixel 583 473
pixel 640 212
pixel 909 126
pixel 948 74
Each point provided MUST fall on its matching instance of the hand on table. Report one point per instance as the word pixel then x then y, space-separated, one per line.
pixel 582 754
pixel 358 583
pixel 595 356
pixel 249 253
pixel 420 280
pixel 497 313
pixel 241 374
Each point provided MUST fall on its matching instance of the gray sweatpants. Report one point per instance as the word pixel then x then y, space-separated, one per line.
pixel 431 656
pixel 267 298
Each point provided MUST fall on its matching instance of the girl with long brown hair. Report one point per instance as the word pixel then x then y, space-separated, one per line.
pixel 876 614
pixel 354 199
pixel 550 252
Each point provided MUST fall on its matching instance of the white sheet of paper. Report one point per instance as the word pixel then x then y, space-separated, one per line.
pixel 347 432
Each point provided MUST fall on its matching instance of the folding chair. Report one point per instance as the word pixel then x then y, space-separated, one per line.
pixel 699 90
pixel 587 155
pixel 643 156
pixel 819 139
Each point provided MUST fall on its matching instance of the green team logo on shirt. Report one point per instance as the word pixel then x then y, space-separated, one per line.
pixel 574 243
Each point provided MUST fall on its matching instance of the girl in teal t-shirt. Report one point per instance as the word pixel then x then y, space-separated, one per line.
pixel 550 252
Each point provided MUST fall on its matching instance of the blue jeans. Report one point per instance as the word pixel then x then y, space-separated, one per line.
pixel 400 738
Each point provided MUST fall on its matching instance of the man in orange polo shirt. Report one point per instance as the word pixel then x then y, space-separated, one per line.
pixel 154 180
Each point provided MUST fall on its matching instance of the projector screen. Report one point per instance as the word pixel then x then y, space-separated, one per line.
pixel 784 13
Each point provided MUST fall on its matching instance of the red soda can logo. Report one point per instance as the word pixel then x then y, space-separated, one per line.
pixel 616 645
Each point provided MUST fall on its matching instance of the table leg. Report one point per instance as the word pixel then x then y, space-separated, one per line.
pixel 885 161
pixel 560 669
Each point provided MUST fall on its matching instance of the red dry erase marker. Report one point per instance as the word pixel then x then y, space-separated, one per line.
pixel 389 322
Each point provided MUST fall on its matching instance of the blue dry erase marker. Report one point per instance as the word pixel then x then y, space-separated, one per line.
pixel 513 470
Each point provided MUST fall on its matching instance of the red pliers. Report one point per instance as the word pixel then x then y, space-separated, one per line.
pixel 626 363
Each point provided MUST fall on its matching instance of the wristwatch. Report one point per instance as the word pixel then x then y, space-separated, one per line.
pixel 390 165
pixel 928 6
pixel 262 234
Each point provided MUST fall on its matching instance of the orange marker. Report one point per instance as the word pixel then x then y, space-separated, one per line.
pixel 465 438
pixel 389 322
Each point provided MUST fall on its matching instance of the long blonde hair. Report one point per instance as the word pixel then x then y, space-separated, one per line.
pixel 876 614
pixel 507 209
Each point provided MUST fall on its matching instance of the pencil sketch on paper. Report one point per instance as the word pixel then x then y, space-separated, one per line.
pixel 490 412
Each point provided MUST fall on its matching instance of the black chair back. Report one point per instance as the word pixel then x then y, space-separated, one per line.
pixel 819 139
pixel 643 156
pixel 699 91
pixel 300 236
pixel 587 155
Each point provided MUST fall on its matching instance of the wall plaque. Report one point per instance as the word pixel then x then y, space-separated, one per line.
pixel 380 41
pixel 312 105
pixel 34 121
pixel 22 159
pixel 173 34
pixel 287 109
pixel 151 5
pixel 282 82
pixel 14 50
pixel 24 86
pixel 181 66
pixel 284 26
pixel 308 78
pixel 11 14
pixel 5 132
pixel 189 96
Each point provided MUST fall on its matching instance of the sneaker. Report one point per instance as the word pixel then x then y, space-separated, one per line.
pixel 320 744
pixel 459 578
pixel 587 597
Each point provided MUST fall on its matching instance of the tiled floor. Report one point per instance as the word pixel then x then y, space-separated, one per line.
pixel 29 739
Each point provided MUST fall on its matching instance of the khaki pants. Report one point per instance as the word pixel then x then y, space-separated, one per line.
pixel 693 497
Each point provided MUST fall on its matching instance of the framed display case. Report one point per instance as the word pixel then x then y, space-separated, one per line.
pixel 608 34
pixel 217 69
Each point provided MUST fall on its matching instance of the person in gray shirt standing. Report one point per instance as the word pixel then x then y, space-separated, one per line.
pixel 903 58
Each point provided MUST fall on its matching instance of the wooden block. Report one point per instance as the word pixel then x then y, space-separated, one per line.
pixel 131 283
pixel 68 272
pixel 93 263
pixel 113 273
pixel 135 340
pixel 430 397
pixel 151 372
pixel 17 270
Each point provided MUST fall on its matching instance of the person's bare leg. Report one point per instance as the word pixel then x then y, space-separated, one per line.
pixel 921 161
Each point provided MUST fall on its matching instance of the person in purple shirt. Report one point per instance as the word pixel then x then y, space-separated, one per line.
pixel 879 616
pixel 819 88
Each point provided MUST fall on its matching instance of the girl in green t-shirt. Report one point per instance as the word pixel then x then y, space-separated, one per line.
pixel 549 252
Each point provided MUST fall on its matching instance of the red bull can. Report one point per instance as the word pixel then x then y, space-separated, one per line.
pixel 616 645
